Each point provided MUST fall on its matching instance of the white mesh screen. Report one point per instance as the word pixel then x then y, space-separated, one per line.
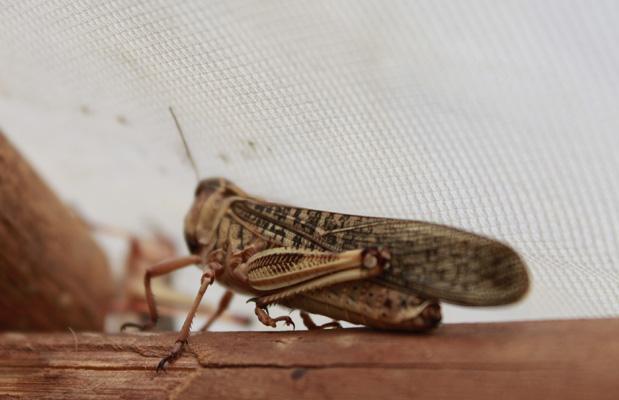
pixel 497 117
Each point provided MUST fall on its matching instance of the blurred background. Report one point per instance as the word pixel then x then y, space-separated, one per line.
pixel 495 117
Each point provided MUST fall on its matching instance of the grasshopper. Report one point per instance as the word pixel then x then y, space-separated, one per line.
pixel 378 272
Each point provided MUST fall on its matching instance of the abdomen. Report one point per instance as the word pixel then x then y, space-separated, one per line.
pixel 371 304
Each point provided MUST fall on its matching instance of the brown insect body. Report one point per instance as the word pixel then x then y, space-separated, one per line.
pixel 424 262
pixel 379 272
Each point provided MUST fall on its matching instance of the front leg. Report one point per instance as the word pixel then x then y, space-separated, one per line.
pixel 208 276
pixel 211 269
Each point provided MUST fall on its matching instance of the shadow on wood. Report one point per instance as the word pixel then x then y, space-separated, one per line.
pixel 547 359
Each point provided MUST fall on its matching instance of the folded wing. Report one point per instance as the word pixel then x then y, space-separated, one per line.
pixel 433 260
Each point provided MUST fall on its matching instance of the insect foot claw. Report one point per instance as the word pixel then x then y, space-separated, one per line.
pixel 263 316
pixel 176 352
pixel 161 365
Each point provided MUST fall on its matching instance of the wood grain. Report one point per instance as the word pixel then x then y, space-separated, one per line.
pixel 52 274
pixel 548 359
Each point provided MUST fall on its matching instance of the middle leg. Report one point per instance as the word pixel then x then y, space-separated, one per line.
pixel 162 268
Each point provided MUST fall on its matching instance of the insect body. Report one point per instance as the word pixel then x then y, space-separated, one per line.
pixel 383 273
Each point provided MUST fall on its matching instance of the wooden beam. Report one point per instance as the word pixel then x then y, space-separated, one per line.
pixel 573 359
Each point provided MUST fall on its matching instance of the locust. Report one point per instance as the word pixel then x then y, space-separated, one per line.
pixel 383 273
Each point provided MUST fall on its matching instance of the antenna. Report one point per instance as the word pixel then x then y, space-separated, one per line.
pixel 180 131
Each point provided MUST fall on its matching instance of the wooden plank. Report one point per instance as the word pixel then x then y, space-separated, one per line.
pixel 547 359
pixel 396 383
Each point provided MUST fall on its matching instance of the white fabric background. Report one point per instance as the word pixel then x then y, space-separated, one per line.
pixel 497 117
